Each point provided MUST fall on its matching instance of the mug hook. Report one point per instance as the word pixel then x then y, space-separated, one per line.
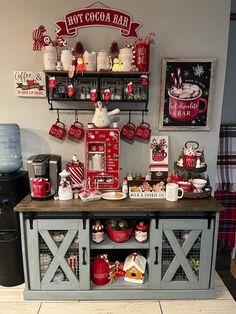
pixel 142 116
pixel 76 115
pixel 129 116
pixel 58 117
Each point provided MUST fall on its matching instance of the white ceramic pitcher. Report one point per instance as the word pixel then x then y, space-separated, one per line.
pixel 101 118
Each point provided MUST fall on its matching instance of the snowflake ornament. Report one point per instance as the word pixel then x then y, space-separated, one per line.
pixel 186 73
pixel 198 70
pixel 166 120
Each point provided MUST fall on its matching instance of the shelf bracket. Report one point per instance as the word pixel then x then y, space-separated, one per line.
pixel 84 217
pixel 209 217
pixel 157 217
pixel 30 216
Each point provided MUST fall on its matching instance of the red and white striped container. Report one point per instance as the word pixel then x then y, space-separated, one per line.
pixel 76 170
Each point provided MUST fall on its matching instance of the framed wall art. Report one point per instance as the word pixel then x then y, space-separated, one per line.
pixel 186 93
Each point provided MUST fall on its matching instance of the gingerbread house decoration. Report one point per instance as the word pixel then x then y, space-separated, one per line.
pixel 134 268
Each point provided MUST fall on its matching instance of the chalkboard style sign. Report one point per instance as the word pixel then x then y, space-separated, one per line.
pixel 186 93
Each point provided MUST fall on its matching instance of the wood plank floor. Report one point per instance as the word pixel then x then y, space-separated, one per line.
pixel 11 302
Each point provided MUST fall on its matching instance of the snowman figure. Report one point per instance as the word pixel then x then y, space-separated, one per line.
pixel 65 188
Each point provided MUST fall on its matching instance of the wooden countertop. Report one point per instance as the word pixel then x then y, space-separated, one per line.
pixel 127 205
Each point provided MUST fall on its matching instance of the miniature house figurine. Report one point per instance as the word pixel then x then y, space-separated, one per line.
pixel 134 268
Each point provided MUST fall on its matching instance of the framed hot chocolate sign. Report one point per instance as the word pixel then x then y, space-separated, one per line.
pixel 186 93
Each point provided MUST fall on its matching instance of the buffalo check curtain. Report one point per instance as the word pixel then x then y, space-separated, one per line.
pixel 225 190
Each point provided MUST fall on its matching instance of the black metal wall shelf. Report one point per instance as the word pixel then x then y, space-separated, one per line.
pixel 83 82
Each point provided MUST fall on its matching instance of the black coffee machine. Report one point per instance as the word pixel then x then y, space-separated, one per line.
pixel 44 166
pixel 13 188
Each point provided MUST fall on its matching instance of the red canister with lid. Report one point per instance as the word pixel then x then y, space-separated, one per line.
pixel 100 270
pixel 141 232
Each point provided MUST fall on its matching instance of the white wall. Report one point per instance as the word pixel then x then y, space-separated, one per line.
pixel 184 28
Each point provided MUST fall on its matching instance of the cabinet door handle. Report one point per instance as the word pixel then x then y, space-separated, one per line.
pixel 156 256
pixel 84 249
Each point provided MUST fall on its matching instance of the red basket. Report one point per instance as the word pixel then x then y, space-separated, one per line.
pixel 120 235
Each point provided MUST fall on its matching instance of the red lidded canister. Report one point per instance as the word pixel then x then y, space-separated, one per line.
pixel 100 271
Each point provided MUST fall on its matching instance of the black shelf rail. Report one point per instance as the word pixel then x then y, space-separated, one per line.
pixel 125 105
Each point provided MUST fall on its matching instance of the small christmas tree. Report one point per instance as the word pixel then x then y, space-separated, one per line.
pixel 79 49
pixel 114 50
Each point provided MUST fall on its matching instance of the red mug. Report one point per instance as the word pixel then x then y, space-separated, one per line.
pixel 58 130
pixel 185 109
pixel 93 95
pixel 128 131
pixel 187 186
pixel 158 156
pixel 40 187
pixel 52 82
pixel 76 130
pixel 70 91
pixel 107 95
pixel 130 88
pixel 143 131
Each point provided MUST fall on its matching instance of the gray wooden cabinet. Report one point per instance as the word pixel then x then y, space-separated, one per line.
pixel 180 256
pixel 57 254
pixel 181 253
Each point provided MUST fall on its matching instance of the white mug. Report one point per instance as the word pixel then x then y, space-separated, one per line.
pixel 172 191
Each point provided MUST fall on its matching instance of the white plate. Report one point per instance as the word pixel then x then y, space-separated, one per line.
pixel 114 196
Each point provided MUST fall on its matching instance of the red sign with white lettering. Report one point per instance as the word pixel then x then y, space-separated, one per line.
pixel 97 17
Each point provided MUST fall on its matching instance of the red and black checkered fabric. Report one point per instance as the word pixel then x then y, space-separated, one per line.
pixel 225 191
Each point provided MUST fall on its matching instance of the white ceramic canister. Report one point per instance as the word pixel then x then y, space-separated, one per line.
pixel 66 59
pixel 90 61
pixel 103 61
pixel 49 57
pixel 125 57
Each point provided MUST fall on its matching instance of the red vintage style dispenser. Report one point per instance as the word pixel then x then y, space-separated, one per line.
pixel 102 154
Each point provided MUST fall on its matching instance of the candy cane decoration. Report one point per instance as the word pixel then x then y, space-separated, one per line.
pixel 41 40
pixel 133 63
pixel 46 40
pixel 38 38
pixel 174 79
pixel 179 76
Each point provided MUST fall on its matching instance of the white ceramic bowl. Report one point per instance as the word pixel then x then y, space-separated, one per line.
pixel 199 183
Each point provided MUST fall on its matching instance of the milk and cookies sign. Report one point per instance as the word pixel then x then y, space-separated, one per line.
pixel 30 84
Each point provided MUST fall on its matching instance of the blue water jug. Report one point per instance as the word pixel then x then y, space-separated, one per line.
pixel 10 148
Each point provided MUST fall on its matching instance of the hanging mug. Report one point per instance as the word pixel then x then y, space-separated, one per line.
pixel 58 130
pixel 76 130
pixel 128 131
pixel 143 131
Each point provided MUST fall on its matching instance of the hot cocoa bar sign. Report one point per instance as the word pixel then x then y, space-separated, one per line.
pixel 97 17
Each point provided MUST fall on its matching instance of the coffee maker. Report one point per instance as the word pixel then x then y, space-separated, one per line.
pixel 45 167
